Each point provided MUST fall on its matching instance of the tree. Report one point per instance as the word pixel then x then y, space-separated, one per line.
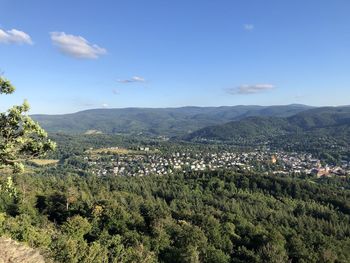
pixel 21 138
pixel 76 227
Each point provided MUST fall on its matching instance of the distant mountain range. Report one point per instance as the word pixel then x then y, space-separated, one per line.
pixel 333 122
pixel 168 122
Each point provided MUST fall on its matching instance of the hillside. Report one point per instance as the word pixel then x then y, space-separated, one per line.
pixel 219 216
pixel 157 121
pixel 329 121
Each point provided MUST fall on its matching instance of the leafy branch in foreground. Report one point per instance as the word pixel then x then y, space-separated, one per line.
pixel 21 138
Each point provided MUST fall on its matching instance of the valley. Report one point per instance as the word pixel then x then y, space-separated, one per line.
pixel 174 131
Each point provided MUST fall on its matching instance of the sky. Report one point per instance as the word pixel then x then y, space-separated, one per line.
pixel 66 56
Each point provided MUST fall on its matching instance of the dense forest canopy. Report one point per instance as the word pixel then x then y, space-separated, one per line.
pixel 200 217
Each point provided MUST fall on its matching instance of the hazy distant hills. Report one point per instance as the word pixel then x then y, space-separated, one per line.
pixel 159 121
pixel 325 121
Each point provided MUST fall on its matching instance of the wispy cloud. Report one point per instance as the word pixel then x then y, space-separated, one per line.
pixel 132 80
pixel 115 92
pixel 15 36
pixel 76 46
pixel 105 105
pixel 251 89
pixel 248 27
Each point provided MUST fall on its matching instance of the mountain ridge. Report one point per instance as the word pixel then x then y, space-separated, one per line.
pixel 324 119
pixel 158 121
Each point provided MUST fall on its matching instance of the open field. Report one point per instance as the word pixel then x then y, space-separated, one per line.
pixel 113 150
pixel 92 132
pixel 43 162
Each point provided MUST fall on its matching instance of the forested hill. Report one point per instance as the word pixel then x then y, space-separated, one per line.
pixel 158 121
pixel 329 121
pixel 209 217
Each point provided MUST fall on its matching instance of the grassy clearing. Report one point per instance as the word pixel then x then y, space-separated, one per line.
pixel 43 162
pixel 92 132
pixel 120 151
pixel 111 150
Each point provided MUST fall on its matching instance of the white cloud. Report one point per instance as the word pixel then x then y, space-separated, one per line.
pixel 15 36
pixel 132 80
pixel 248 27
pixel 76 46
pixel 251 89
pixel 105 105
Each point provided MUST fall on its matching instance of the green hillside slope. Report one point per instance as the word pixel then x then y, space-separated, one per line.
pixel 159 121
pixel 327 121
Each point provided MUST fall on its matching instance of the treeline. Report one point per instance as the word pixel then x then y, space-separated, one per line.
pixel 200 217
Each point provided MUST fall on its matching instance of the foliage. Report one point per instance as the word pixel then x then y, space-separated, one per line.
pixel 20 137
pixel 219 216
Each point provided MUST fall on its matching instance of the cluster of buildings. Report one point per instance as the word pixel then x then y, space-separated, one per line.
pixel 306 164
pixel 158 163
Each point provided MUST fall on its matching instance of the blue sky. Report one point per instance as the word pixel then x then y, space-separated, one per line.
pixel 65 56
